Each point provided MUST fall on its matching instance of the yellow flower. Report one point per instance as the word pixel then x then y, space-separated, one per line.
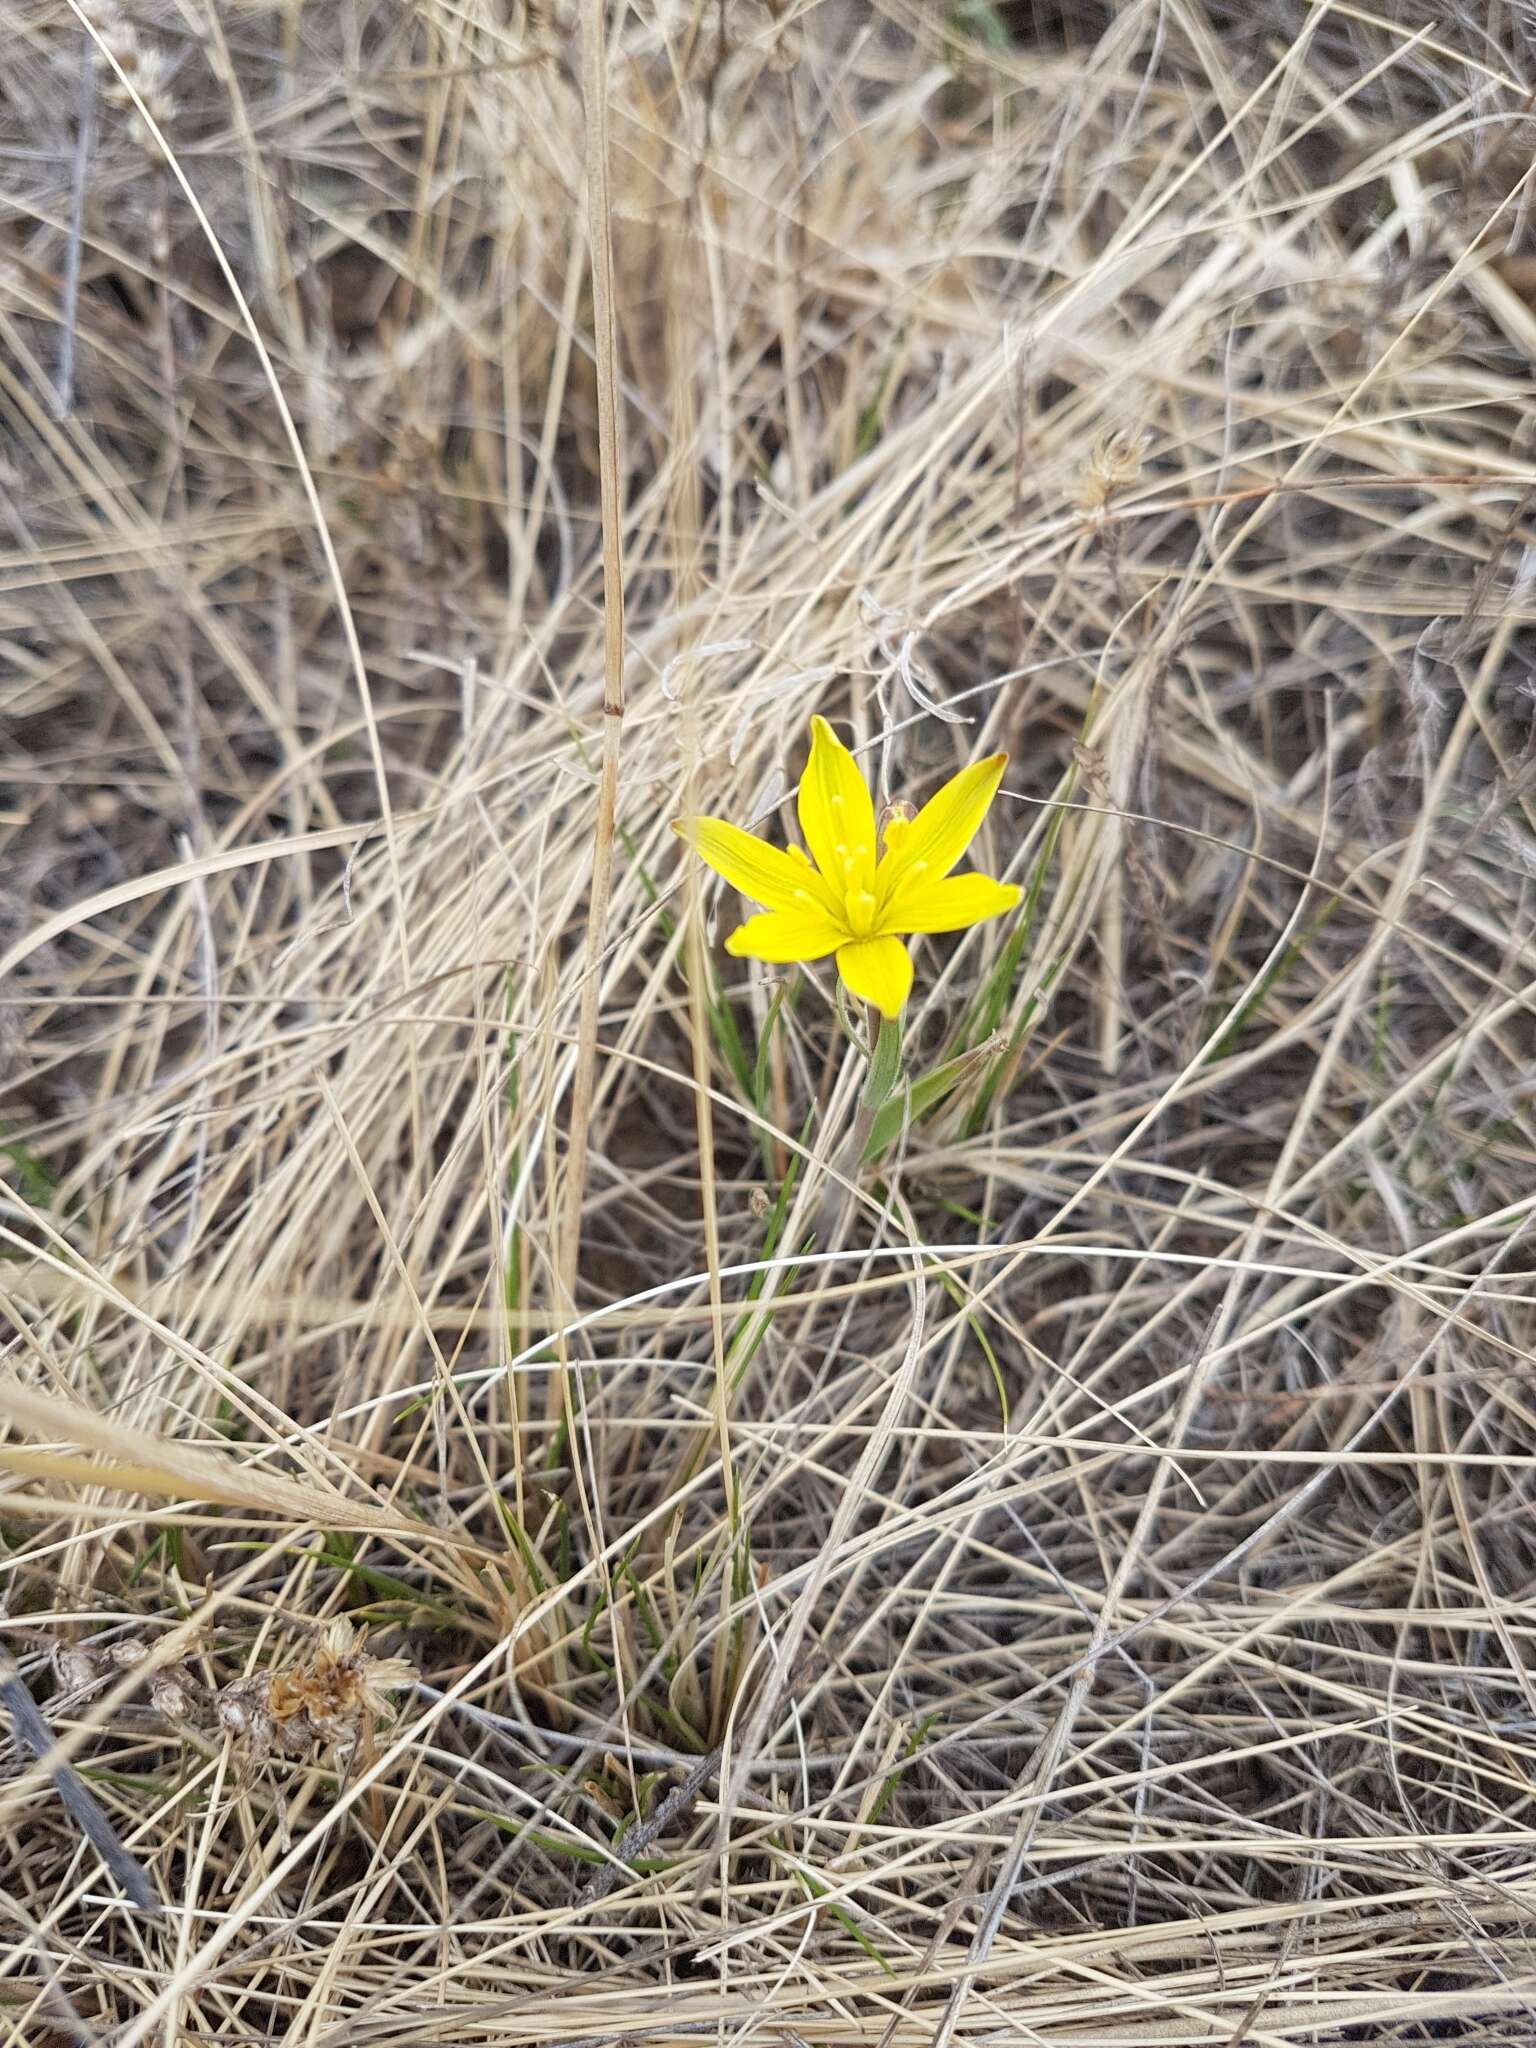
pixel 849 898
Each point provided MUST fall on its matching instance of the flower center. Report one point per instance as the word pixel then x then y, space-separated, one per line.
pixel 857 889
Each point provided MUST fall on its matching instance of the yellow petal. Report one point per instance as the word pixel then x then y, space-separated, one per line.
pixel 765 873
pixel 784 935
pixel 878 971
pixel 948 905
pixel 943 828
pixel 837 817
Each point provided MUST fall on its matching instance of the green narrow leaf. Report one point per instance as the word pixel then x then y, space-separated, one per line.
pixel 887 1791
pixel 815 1889
pixel 924 1094
pixel 1277 973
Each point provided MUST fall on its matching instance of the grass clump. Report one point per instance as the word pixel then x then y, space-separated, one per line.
pixel 1048 1559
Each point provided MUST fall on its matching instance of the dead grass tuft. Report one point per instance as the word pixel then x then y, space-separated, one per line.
pixel 1066 1580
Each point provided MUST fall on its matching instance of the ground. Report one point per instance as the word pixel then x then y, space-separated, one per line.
pixel 537 1512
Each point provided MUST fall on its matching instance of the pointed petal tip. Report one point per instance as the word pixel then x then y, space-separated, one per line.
pixel 835 809
pixel 825 734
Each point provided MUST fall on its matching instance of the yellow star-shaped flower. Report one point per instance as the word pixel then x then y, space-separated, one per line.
pixel 850 897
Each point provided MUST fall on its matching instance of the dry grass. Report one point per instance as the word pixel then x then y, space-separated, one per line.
pixel 1068 1584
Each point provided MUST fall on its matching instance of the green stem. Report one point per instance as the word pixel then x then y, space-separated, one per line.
pixel 884 1064
pixel 883 1078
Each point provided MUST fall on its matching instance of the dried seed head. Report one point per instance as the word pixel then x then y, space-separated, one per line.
pixel 328 1700
pixel 235 1711
pixel 76 1667
pixel 1114 465
pixel 170 1697
pixel 138 65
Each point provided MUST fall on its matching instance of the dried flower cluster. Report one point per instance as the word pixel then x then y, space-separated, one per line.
pixel 324 1706
pixel 327 1704
pixel 1114 465
pixel 137 61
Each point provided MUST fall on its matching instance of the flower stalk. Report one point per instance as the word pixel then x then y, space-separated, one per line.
pixel 884 1065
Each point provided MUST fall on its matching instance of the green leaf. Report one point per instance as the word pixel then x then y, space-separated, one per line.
pixel 924 1094
pixel 33 1179
pixel 815 1889
pixel 887 1791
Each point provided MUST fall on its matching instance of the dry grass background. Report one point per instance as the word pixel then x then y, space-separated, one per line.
pixel 1067 1585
